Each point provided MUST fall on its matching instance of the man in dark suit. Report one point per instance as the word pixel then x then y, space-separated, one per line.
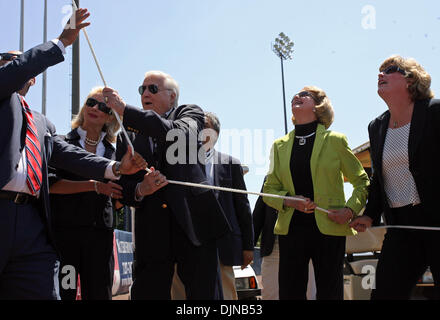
pixel 177 224
pixel 28 144
pixel 235 248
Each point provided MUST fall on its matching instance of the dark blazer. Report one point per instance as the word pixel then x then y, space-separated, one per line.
pixel 196 210
pixel 55 151
pixel 87 209
pixel 229 173
pixel 423 153
pixel 264 218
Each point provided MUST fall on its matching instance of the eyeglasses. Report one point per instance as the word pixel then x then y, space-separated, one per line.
pixel 153 88
pixel 9 56
pixel 101 105
pixel 392 69
pixel 303 94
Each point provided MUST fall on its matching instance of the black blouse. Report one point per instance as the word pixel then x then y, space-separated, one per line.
pixel 300 167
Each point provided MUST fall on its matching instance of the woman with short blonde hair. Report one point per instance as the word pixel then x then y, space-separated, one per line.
pixel 323 107
pixel 310 163
pixel 419 81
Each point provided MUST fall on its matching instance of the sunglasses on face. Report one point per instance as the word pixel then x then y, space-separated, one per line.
pixel 303 94
pixel 392 69
pixel 153 88
pixel 101 105
pixel 8 56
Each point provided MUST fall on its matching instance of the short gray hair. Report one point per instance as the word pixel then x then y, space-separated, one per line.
pixel 169 83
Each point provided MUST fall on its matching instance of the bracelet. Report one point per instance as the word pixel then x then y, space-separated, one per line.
pixel 96 187
pixel 138 192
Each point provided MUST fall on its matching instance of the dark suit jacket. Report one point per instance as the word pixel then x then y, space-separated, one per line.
pixel 229 173
pixel 196 210
pixel 87 209
pixel 423 152
pixel 55 151
pixel 264 218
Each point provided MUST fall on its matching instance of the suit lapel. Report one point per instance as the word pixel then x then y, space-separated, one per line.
pixel 285 153
pixel 73 138
pixel 417 127
pixel 143 146
pixel 379 140
pixel 321 134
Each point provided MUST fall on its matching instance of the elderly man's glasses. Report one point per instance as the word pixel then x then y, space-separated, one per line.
pixel 101 105
pixel 153 88
pixel 392 69
pixel 8 56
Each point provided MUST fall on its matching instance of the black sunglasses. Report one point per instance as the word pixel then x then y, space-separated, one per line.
pixel 392 69
pixel 9 56
pixel 153 88
pixel 303 94
pixel 101 105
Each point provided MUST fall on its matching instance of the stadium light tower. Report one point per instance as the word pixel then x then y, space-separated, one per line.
pixel 283 48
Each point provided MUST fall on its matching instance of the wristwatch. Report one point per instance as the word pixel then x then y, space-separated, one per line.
pixel 117 169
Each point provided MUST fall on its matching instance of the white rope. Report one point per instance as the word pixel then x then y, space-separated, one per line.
pixel 406 227
pixel 103 80
pixel 207 186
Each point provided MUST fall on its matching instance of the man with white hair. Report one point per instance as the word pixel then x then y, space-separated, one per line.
pixel 176 224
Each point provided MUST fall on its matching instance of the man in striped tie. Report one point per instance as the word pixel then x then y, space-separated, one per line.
pixel 28 144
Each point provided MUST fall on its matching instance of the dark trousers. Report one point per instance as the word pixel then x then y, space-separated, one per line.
pixel 86 251
pixel 405 255
pixel 28 262
pixel 304 242
pixel 157 253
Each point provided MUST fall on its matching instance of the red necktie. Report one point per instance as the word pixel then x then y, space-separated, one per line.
pixel 33 151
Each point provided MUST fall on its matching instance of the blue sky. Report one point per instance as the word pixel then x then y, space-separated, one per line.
pixel 220 53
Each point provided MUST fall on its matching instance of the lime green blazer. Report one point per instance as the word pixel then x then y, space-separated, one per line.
pixel 331 160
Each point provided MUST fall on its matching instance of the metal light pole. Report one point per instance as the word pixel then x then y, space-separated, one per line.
pixel 283 48
pixel 21 46
pixel 75 74
pixel 43 95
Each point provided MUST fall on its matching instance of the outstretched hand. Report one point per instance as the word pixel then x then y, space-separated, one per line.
pixel 341 216
pixel 74 26
pixel 305 205
pixel 131 164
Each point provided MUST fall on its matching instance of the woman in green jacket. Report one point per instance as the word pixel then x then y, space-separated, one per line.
pixel 310 162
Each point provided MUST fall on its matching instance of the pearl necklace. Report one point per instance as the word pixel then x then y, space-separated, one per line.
pixel 91 142
pixel 302 139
